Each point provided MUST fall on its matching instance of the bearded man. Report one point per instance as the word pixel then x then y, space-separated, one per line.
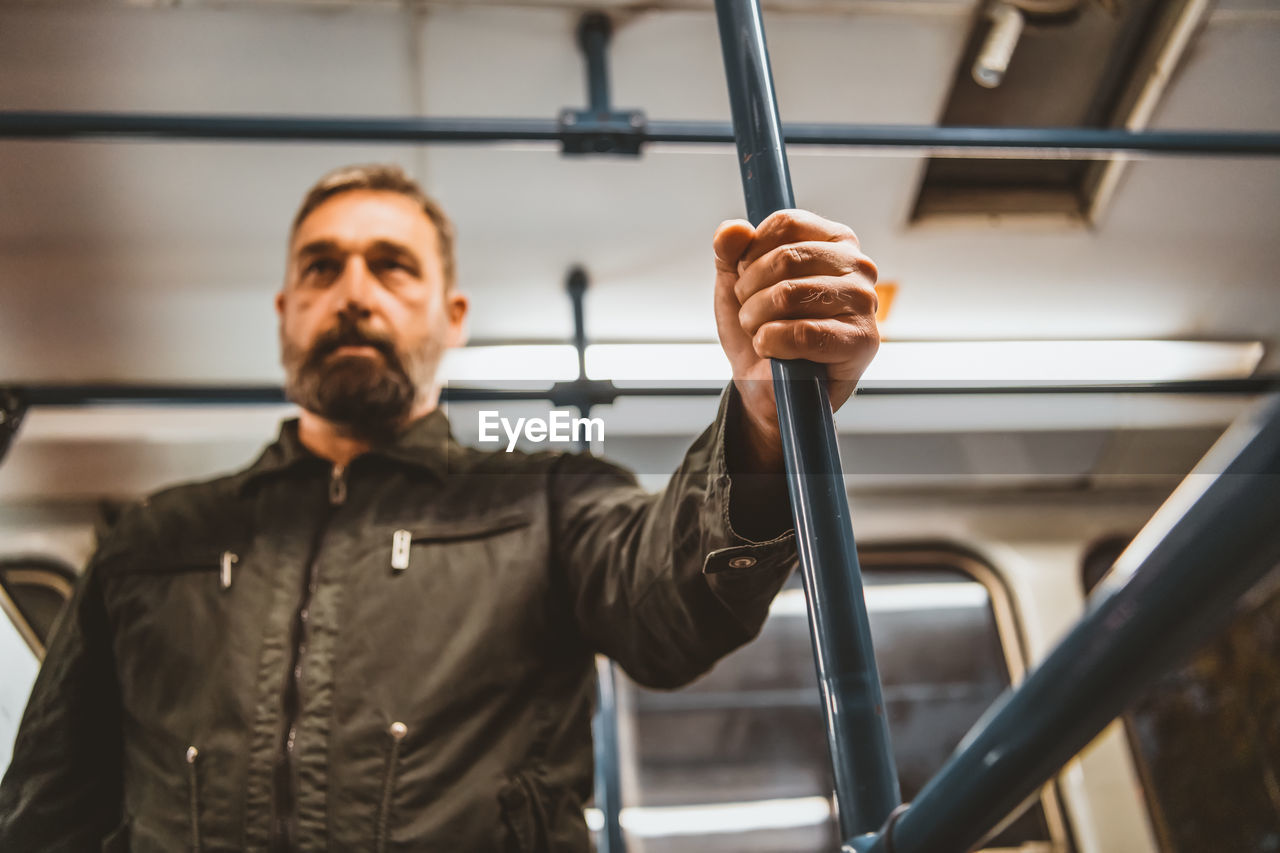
pixel 373 638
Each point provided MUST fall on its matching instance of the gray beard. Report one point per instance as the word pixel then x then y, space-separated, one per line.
pixel 357 393
pixel 368 397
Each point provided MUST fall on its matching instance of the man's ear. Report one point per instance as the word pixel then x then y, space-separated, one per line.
pixel 455 306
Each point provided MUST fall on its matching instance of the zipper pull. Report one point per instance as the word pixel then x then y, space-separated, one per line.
pixel 338 485
pixel 400 542
pixel 224 569
pixel 193 785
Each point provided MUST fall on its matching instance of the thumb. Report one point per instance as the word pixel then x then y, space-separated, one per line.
pixel 731 241
pixel 730 244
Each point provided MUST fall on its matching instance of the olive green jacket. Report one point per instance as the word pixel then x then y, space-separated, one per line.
pixel 439 607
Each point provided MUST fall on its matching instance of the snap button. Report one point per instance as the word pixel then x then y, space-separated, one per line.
pixel 742 562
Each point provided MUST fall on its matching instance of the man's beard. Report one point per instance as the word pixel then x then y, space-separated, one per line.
pixel 367 396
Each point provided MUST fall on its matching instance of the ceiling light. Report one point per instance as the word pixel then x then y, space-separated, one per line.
pixel 717 818
pixel 658 362
pixel 896 598
pixel 1062 362
pixel 525 366
pixel 1053 363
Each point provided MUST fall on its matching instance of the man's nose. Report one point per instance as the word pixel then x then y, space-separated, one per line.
pixel 356 285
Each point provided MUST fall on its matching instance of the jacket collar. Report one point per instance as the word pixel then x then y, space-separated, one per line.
pixel 426 443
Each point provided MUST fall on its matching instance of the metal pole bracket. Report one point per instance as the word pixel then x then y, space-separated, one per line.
pixel 599 129
pixel 615 132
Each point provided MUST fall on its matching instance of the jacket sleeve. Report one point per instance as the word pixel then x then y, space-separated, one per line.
pixel 662 583
pixel 63 789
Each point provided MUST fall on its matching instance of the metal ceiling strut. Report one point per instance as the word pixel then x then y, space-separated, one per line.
pixel 582 133
pixel 852 702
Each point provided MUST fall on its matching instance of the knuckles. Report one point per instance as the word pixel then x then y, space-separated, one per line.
pixel 810 337
pixel 793 226
pixel 868 268
pixel 791 298
pixel 850 337
pixel 852 303
pixel 791 260
pixel 787 296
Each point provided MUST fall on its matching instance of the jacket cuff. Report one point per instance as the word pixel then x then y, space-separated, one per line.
pixel 746 568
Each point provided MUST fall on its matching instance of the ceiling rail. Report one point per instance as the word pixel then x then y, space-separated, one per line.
pixel 576 137
pixel 600 391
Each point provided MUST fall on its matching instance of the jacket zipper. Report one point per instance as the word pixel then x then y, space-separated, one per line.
pixel 284 802
pixel 193 785
pixel 396 731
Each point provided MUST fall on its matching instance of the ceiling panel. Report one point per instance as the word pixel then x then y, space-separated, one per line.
pixel 157 261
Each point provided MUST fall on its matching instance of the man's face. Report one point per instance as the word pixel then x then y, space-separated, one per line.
pixel 364 314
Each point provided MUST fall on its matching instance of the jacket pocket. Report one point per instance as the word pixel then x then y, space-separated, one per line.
pixel 447 530
pixel 204 561
pixel 395 732
pixel 406 541
pixel 524 816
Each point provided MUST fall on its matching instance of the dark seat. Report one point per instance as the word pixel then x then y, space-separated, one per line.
pixel 38 587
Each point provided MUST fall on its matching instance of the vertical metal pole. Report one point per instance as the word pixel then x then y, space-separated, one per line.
pixel 577 287
pixel 594 31
pixel 857 729
pixel 608 768
pixel 604 725
pixel 13 408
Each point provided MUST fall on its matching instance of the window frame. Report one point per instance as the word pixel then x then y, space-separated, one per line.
pixel 1013 644
pixel 11 612
pixel 38 570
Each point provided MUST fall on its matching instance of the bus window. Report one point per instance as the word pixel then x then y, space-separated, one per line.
pixel 739 760
pixel 1207 736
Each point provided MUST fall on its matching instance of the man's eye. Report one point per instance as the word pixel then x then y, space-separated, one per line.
pixel 321 266
pixel 389 264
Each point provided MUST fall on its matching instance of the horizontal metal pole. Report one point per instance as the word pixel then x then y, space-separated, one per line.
pixel 126 393
pixel 224 395
pixel 1022 141
pixel 1170 591
pixel 249 128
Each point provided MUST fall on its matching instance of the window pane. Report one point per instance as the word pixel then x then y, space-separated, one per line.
pixel 739 760
pixel 1208 740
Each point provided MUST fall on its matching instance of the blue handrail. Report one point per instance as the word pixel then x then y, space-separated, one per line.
pixel 866 779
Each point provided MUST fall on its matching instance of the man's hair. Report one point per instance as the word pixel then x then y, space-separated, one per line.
pixel 385 177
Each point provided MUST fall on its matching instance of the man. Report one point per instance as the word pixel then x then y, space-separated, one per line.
pixel 375 639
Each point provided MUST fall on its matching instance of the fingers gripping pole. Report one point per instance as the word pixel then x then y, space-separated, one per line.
pixel 857 729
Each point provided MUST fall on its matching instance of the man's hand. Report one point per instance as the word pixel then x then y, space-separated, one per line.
pixel 798 286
